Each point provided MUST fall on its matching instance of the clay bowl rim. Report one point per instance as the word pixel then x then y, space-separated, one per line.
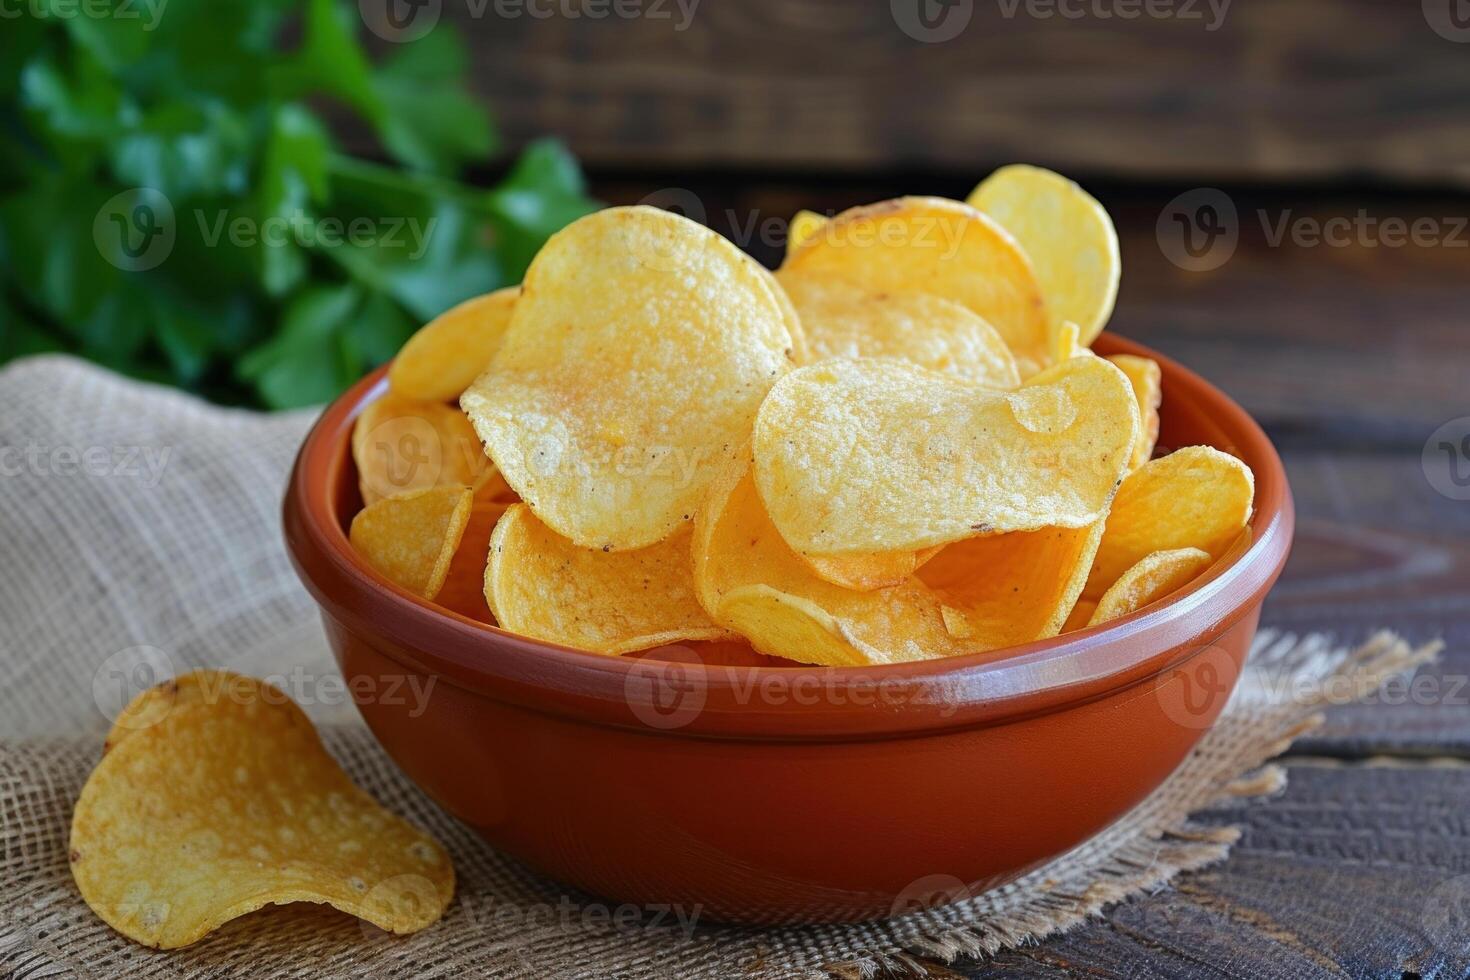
pixel 925 697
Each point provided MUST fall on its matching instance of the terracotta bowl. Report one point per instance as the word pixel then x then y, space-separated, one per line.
pixel 770 794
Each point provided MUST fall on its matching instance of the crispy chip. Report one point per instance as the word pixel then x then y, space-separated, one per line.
pixel 200 686
pixel 878 455
pixel 400 444
pixel 804 224
pixel 1153 578
pixel 1196 497
pixel 411 538
pixel 441 360
pixel 227 805
pixel 463 590
pixel 638 353
pixel 1068 237
pixel 1148 387
pixel 800 352
pixel 941 247
pixel 870 571
pixel 751 581
pixel 541 585
pixel 842 319
pixel 1007 589
pixel 1066 342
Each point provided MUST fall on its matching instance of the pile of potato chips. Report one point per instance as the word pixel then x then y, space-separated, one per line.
pixel 214 797
pixel 897 447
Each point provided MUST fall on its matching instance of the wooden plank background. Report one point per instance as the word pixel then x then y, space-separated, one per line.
pixel 1340 89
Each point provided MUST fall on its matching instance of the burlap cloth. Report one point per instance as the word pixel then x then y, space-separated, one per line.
pixel 141 526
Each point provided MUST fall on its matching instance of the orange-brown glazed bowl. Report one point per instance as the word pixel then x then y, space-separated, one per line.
pixel 765 794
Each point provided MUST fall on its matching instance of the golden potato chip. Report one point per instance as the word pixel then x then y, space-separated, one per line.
pixel 940 247
pixel 636 358
pixel 441 360
pixel 1154 577
pixel 804 224
pixel 800 349
pixel 400 444
pixel 1066 343
pixel 1003 590
pixel 411 538
pixel 463 590
pixel 541 585
pixel 879 455
pixel 1196 497
pixel 226 806
pixel 843 319
pixel 1148 387
pixel 870 571
pixel 1068 237
pixel 1078 618
pixel 196 687
pixel 750 581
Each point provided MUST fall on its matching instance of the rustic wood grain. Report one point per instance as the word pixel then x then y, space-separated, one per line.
pixel 1308 88
pixel 1358 870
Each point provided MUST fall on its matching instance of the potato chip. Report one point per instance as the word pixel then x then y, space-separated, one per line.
pixel 442 359
pixel 1003 590
pixel 1154 577
pixel 1147 380
pixel 400 444
pixel 411 538
pixel 800 349
pixel 541 585
pixel 463 590
pixel 1068 237
pixel 227 805
pixel 1196 497
pixel 1078 618
pixel 1066 342
pixel 944 248
pixel 843 319
pixel 879 455
pixel 750 581
pixel 804 224
pixel 869 571
pixel 156 703
pixel 636 358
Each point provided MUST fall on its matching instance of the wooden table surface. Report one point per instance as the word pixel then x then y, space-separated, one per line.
pixel 1350 356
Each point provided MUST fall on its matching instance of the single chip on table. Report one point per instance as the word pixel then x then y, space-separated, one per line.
pixel 441 360
pixel 1147 380
pixel 940 247
pixel 874 455
pixel 540 584
pixel 411 538
pixel 1067 235
pixel 401 444
pixel 229 804
pixel 1195 497
pixel 639 351
pixel 1154 577
pixel 844 319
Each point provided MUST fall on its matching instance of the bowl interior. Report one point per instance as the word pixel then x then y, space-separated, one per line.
pixel 324 497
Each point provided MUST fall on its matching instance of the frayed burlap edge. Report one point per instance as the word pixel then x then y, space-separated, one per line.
pixel 1083 882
